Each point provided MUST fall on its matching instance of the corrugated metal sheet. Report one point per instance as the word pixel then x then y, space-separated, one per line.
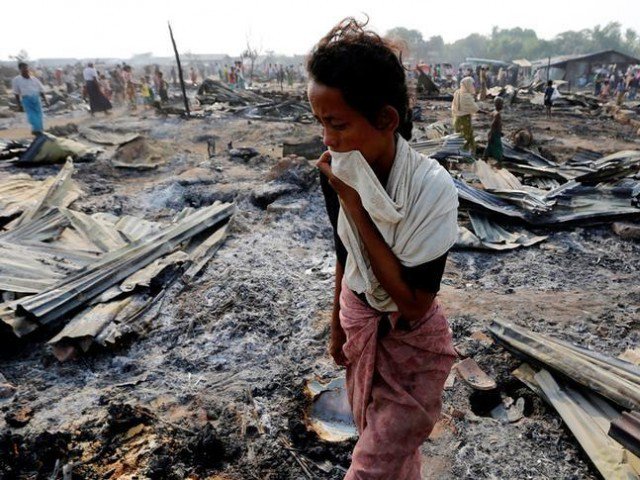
pixel 99 233
pixel 61 192
pixel 626 430
pixel 610 381
pixel 588 422
pixel 492 236
pixel 19 193
pixel 52 304
pixel 106 138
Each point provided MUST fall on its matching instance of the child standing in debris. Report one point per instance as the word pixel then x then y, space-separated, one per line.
pixel 548 97
pixel 462 108
pixel 494 138
pixel 146 93
pixel 394 214
pixel 163 87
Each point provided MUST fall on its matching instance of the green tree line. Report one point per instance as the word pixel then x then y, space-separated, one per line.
pixel 513 43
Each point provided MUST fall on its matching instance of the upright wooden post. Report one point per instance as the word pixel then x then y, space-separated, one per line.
pixel 184 90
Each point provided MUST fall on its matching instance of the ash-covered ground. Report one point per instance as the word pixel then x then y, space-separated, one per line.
pixel 215 387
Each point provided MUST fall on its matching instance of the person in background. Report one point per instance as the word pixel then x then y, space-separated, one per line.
pixel 98 102
pixel 462 108
pixel 605 92
pixel 494 138
pixel 28 91
pixel 117 85
pixel 634 83
pixel 280 77
pixel 240 81
pixel 105 86
pixel 146 93
pixel 548 98
pixel 129 87
pixel 68 80
pixel 621 89
pixel 502 77
pixel 193 75
pixel 598 84
pixel 289 74
pixel 162 87
pixel 58 76
pixel 483 83
pixel 232 75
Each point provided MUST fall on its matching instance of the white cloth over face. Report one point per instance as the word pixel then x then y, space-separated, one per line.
pixel 416 215
pixel 463 101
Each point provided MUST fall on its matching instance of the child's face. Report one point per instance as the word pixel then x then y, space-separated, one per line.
pixel 344 128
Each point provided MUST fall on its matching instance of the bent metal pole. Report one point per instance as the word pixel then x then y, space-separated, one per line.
pixel 184 90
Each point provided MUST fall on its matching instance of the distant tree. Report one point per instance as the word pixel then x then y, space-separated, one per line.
pixel 21 56
pixel 410 42
pixel 632 41
pixel 252 54
pixel 630 36
pixel 474 45
pixel 434 49
pixel 607 37
pixel 512 43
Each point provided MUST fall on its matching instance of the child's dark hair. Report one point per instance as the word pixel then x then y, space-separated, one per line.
pixel 550 83
pixel 367 70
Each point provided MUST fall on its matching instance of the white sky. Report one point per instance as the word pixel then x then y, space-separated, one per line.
pixel 120 28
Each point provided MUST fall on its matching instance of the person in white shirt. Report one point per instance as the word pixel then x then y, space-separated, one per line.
pixel 98 102
pixel 28 91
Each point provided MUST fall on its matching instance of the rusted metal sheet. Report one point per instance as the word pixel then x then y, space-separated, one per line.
pixel 101 234
pixel 106 138
pixel 619 386
pixel 135 228
pixel 100 324
pixel 587 421
pixel 144 276
pixel 626 430
pixel 491 236
pixel 204 252
pixel 61 192
pixel 20 193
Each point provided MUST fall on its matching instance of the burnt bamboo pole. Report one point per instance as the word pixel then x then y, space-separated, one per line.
pixel 184 90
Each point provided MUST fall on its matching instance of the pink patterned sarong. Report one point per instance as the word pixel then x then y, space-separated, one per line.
pixel 395 380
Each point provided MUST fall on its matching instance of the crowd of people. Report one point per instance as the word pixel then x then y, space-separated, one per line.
pixel 104 87
pixel 617 84
pixel 484 77
pixel 122 85
pixel 238 76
